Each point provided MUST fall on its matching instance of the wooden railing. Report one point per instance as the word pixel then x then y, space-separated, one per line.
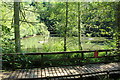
pixel 81 60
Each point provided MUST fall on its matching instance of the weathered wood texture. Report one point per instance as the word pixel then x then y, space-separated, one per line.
pixel 66 71
pixel 65 52
pixel 60 73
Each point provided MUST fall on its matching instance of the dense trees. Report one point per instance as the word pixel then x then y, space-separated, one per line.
pixel 60 18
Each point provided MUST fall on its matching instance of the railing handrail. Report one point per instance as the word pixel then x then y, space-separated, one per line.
pixel 64 52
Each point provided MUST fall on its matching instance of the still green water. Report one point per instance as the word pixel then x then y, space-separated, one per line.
pixel 48 44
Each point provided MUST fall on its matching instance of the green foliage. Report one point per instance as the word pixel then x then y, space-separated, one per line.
pixel 40 18
pixel 7 44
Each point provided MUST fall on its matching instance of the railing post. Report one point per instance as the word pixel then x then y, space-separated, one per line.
pixel 81 77
pixel 41 64
pixel 41 60
pixel 13 62
pixel 107 74
pixel 106 53
pixel 82 56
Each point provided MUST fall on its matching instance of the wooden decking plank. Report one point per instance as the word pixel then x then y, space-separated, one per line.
pixel 61 71
pixel 10 76
pixel 15 74
pixel 77 70
pixel 69 72
pixel 97 69
pixel 66 72
pixel 19 75
pixel 45 72
pixel 74 71
pixel 87 71
pixel 81 69
pixel 52 71
pixel 6 74
pixel 49 72
pixel 34 72
pixel 30 73
pixel 91 70
pixel 56 72
pixel 39 73
pixel 27 73
pixel 23 73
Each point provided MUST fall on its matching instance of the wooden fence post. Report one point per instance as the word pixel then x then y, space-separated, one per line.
pixel 41 63
pixel 13 62
pixel 82 56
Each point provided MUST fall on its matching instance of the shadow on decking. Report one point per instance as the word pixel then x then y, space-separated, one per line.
pixel 92 71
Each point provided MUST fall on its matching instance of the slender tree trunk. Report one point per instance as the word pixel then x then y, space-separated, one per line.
pixel 118 26
pixel 16 25
pixel 65 31
pixel 79 28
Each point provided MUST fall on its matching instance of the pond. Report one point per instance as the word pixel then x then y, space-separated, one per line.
pixel 50 44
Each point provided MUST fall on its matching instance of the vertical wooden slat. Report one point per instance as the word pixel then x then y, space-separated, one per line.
pixel 24 73
pixel 73 71
pixel 55 71
pixel 63 72
pixel 48 75
pixel 6 75
pixel 11 75
pixel 20 73
pixel 37 72
pixel 59 72
pixel 52 71
pixel 45 72
pixel 27 73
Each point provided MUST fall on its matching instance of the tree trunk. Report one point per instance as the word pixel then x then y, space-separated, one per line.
pixel 118 26
pixel 65 31
pixel 16 25
pixel 79 28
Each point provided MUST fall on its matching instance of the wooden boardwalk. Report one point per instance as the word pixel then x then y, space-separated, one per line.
pixel 60 73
